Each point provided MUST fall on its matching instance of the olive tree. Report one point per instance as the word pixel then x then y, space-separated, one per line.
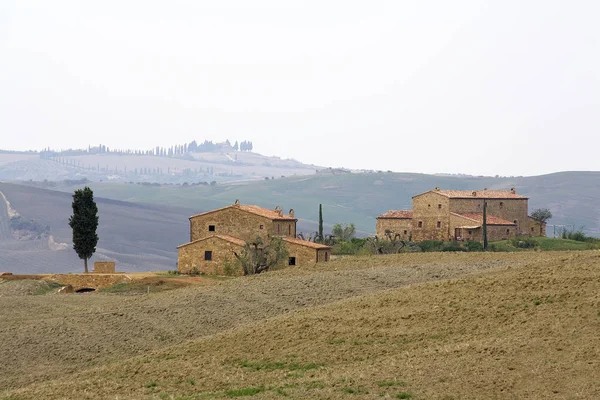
pixel 541 215
pixel 260 255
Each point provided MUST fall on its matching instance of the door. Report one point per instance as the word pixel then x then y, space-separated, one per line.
pixel 457 234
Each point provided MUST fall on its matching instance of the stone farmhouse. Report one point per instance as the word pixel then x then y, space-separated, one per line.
pixel 216 235
pixel 458 215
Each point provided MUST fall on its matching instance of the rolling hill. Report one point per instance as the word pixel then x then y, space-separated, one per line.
pixel 409 326
pixel 573 197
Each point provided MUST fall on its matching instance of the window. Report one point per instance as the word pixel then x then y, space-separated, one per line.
pixel 406 232
pixel 420 224
pixel 439 224
pixel 292 261
pixel 531 229
pixel 326 256
pixel 501 204
pixel 262 227
pixel 440 206
pixel 428 205
pixel 208 255
pixel 507 232
pixel 470 233
pixel 289 230
pixel 515 221
pixel 278 229
pixel 211 228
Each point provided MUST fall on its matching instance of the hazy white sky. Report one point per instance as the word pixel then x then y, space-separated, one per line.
pixel 479 87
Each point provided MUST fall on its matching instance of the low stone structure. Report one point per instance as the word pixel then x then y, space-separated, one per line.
pixel 104 267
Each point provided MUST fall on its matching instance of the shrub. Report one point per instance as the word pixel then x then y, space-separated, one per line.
pixel 453 246
pixel 474 246
pixel 524 242
pixel 431 245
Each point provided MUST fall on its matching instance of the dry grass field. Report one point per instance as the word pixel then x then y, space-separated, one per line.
pixel 420 326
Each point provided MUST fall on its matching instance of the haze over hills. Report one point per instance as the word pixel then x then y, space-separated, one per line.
pixel 217 164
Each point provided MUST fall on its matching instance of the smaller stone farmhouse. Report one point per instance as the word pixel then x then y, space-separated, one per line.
pixel 458 215
pixel 216 235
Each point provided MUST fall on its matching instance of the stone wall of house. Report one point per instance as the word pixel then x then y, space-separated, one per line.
pixel 509 209
pixel 401 227
pixel 232 222
pixel 499 232
pixel 284 228
pixel 192 256
pixel 303 254
pixel 240 224
pixel 431 217
pixel 470 233
pixel 104 267
pixel 534 228
pixel 323 255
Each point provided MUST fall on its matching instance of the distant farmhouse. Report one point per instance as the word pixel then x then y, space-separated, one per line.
pixel 216 235
pixel 458 215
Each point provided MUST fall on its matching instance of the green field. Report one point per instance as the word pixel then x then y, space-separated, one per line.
pixel 547 244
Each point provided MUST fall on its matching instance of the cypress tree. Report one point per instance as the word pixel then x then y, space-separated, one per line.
pixel 84 223
pixel 320 222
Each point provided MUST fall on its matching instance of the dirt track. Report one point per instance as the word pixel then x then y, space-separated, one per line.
pixel 45 337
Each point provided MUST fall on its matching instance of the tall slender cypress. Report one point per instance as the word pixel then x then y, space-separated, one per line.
pixel 320 222
pixel 84 223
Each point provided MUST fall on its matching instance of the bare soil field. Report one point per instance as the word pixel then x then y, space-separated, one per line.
pixel 423 326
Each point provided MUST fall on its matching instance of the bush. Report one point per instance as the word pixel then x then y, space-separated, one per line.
pixel 524 242
pixel 453 246
pixel 352 246
pixel 474 246
pixel 431 245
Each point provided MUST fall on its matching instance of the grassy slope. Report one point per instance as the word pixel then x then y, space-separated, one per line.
pixel 573 197
pixel 548 244
pixel 526 330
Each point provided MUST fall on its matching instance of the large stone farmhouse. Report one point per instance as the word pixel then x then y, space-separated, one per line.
pixel 216 235
pixel 458 215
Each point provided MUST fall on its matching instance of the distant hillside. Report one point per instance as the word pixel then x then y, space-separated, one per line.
pixel 573 197
pixel 140 237
pixel 189 168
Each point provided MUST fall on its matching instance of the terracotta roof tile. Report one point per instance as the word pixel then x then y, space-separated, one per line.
pixel 227 238
pixel 263 212
pixel 397 214
pixel 481 194
pixel 305 243
pixel 478 217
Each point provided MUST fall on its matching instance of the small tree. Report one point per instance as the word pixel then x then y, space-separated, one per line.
pixel 84 223
pixel 343 232
pixel 541 215
pixel 320 223
pixel 258 256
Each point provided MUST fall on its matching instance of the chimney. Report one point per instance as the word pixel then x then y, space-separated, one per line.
pixel 512 190
pixel 437 188
pixel 237 202
pixel 484 188
pixel 278 210
pixel 474 194
pixel 292 213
